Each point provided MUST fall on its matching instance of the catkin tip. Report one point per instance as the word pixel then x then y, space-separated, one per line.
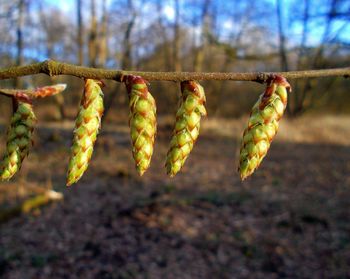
pixel 140 172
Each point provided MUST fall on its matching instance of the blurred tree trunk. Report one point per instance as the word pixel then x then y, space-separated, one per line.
pixel 230 52
pixel 126 62
pixel 318 58
pixel 304 102
pixel 19 38
pixel 297 97
pixel 50 42
pixel 282 38
pixel 103 37
pixel 162 30
pixel 307 100
pixel 205 32
pixel 177 39
pixel 127 46
pixel 93 35
pixel 80 33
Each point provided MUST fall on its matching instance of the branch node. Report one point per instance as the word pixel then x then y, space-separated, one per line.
pixel 45 68
pixel 262 77
pixel 50 67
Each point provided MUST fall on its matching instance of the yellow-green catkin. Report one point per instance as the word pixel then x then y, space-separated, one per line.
pixel 19 136
pixel 263 125
pixel 142 121
pixel 187 125
pixel 87 125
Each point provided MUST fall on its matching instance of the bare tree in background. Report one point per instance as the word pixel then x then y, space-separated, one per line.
pixel 53 27
pixel 103 36
pixel 177 38
pixel 93 35
pixel 199 35
pixel 80 33
pixel 199 51
pixel 281 36
pixel 20 45
pixel 127 62
pixel 298 99
pixel 302 99
pixel 163 33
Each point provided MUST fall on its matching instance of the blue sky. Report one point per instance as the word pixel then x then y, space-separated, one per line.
pixel 68 6
pixel 317 28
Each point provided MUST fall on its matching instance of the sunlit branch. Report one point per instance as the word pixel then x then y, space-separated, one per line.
pixel 54 68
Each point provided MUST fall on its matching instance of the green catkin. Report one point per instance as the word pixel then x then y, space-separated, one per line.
pixel 87 125
pixel 19 136
pixel 187 125
pixel 142 121
pixel 263 125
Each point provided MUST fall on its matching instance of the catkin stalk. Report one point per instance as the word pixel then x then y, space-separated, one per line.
pixel 263 125
pixel 187 125
pixel 19 136
pixel 142 121
pixel 87 125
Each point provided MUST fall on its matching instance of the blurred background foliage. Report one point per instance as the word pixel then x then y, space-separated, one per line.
pixel 175 35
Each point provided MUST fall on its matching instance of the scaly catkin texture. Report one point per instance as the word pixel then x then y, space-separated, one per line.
pixel 187 125
pixel 19 136
pixel 87 125
pixel 263 125
pixel 51 90
pixel 142 121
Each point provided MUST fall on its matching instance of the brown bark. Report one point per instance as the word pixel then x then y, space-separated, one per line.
pixel 54 68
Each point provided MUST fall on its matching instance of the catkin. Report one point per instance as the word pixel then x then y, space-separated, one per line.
pixel 19 136
pixel 50 90
pixel 142 121
pixel 263 125
pixel 87 125
pixel 187 125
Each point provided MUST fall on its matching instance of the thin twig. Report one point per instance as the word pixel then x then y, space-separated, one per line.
pixel 54 68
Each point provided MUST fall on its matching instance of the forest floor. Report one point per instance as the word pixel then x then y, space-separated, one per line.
pixel 289 220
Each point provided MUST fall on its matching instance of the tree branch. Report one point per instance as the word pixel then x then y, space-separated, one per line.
pixel 54 68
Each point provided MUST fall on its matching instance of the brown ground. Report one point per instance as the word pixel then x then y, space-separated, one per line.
pixel 290 220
